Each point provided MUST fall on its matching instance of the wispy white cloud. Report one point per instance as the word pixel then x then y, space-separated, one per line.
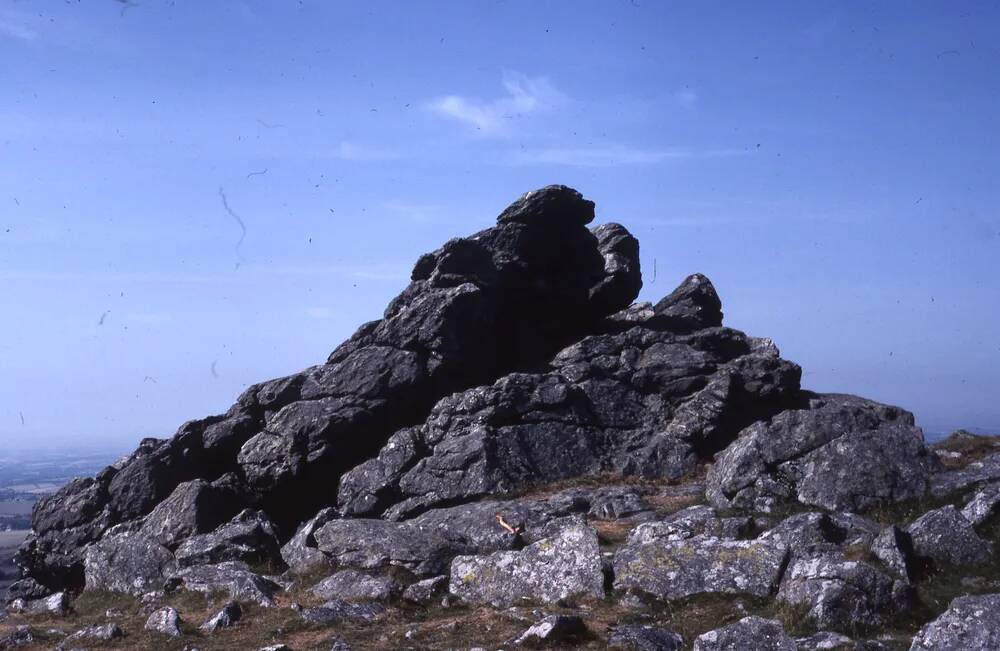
pixel 359 152
pixel 608 156
pixel 524 95
pixel 17 30
pixel 686 98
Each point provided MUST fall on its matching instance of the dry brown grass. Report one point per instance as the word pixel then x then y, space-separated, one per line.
pixel 967 446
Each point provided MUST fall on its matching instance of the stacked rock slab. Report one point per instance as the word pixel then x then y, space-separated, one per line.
pixel 662 391
pixel 498 301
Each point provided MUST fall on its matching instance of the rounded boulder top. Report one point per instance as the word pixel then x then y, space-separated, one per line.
pixel 553 204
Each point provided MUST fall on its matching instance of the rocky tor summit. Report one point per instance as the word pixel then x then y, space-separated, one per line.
pixel 518 454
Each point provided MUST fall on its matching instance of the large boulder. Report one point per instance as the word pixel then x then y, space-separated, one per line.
pixel 351 585
pixel 528 286
pixel 971 623
pixel 233 578
pixel 566 565
pixel 749 633
pixel 638 637
pixel 249 537
pixel 195 507
pixel 56 604
pixel 672 569
pixel 128 562
pixel 336 611
pixel 426 544
pixel 165 621
pixel 672 397
pixel 946 537
pixel 983 504
pixel 812 534
pixel 841 594
pixel 689 522
pixel 836 452
pixel 300 553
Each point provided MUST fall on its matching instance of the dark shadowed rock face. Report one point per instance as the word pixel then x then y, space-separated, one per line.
pixel 249 537
pixel 503 299
pixel 644 401
pixel 693 305
pixel 837 452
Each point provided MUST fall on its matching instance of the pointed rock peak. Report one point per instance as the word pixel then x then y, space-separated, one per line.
pixel 695 303
pixel 553 204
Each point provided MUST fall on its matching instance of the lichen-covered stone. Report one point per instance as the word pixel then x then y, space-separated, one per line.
pixel 424 591
pixel 983 504
pixel 839 594
pixel 566 565
pixel 978 472
pixel 637 637
pixel 837 452
pixel 165 621
pixel 56 604
pixel 971 623
pixel 749 633
pixel 129 562
pixel 692 521
pixel 894 549
pixel 671 569
pixel 95 633
pixel 351 585
pixel 336 611
pixel 231 613
pixel 946 537
pixel 233 578
pixel 426 544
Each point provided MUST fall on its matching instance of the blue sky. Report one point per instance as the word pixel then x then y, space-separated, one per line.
pixel 832 168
